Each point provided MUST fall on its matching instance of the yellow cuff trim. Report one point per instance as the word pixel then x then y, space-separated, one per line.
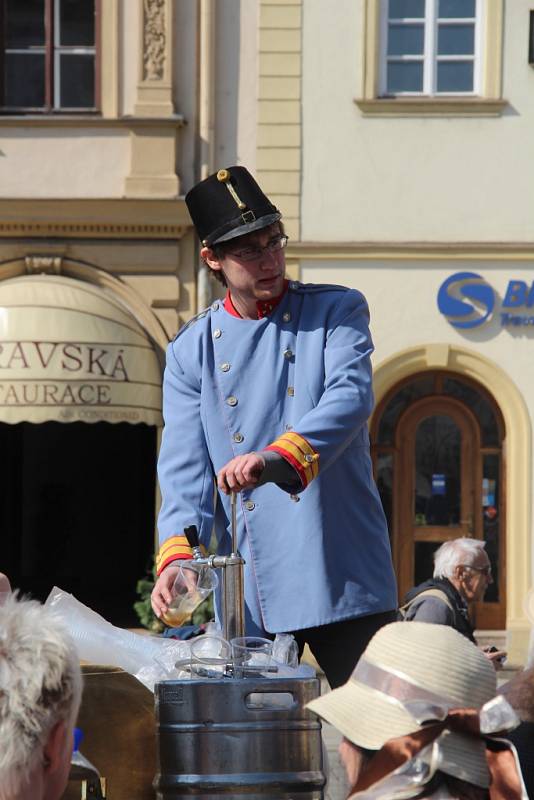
pixel 301 443
pixel 300 453
pixel 173 548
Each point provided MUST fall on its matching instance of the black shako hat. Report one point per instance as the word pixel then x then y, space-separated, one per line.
pixel 229 204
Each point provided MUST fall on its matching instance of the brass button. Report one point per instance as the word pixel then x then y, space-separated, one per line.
pixel 223 175
pixel 291 391
pixel 232 401
pixel 309 459
pixel 295 498
pixel 288 353
pixel 250 506
pixel 217 333
pixel 215 306
pixel 225 366
pixel 238 437
pixel 287 317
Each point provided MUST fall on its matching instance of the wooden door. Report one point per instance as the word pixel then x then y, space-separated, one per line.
pixel 438 490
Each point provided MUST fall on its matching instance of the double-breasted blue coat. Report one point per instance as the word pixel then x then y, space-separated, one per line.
pixel 299 380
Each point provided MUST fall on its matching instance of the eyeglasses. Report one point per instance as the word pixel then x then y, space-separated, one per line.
pixel 256 252
pixel 486 571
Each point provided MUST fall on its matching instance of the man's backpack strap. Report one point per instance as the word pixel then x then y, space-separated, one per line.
pixel 427 593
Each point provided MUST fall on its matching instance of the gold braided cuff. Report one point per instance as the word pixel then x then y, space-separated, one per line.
pixel 173 549
pixel 299 453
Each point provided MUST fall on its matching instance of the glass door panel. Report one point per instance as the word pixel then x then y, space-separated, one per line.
pixel 437 472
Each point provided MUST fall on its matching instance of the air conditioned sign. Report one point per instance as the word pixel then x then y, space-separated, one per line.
pixel 467 300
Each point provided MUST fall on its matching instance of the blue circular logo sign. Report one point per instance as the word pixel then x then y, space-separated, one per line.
pixel 466 300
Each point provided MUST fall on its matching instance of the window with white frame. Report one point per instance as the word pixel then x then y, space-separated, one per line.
pixel 430 47
pixel 48 55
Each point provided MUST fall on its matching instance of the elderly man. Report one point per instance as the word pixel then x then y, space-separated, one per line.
pixel 462 573
pixel 40 691
pixel 419 719
pixel 269 392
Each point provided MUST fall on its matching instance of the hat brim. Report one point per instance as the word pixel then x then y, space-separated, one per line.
pixel 369 718
pixel 248 227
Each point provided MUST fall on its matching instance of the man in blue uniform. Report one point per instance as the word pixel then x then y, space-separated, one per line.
pixel 268 393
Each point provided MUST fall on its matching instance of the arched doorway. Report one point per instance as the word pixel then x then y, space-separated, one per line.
pixel 80 408
pixel 437 448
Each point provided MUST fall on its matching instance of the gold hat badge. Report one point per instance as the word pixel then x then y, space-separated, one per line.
pixel 224 176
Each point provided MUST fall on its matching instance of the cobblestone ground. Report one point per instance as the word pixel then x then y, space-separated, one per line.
pixel 336 787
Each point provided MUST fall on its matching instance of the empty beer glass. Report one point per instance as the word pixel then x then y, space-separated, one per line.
pixel 210 657
pixel 251 654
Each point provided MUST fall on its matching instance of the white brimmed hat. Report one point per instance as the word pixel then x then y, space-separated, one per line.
pixel 412 663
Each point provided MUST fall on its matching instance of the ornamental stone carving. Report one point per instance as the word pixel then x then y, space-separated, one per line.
pixel 39 264
pixel 154 40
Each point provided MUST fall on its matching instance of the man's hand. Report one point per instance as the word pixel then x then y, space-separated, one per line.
pixel 161 593
pixel 242 472
pixel 497 657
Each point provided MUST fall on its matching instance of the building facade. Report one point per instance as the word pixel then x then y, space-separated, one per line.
pixel 394 135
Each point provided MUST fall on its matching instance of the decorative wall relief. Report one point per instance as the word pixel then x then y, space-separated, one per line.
pixel 154 40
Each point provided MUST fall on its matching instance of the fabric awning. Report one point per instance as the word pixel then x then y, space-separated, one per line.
pixel 71 352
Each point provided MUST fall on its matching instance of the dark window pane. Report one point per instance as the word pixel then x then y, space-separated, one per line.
pixel 405 76
pixel 437 472
pixel 456 40
pixel 491 520
pixel 479 405
pixel 77 22
pixel 77 87
pixel 398 9
pixel 398 403
pixel 455 76
pixel 456 8
pixel 424 560
pixel 24 78
pixel 384 482
pixel 406 40
pixel 24 23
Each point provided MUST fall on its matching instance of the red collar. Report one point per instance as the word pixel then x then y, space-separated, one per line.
pixel 264 307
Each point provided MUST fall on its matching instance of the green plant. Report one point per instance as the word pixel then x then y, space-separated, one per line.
pixel 143 607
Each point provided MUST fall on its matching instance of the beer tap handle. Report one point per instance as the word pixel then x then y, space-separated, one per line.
pixel 191 534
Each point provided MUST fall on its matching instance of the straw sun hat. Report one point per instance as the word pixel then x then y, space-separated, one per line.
pixel 416 661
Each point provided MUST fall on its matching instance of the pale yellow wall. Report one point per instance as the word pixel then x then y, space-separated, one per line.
pixel 411 335
pixel 186 88
pixel 247 100
pixel 411 178
pixel 134 147
pixel 129 38
pixel 279 108
pixel 58 162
